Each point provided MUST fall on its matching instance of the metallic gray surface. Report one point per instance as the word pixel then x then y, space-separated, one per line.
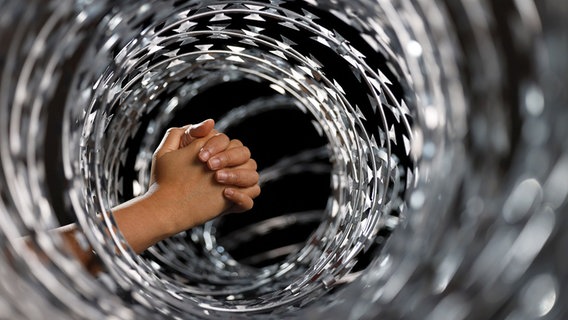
pixel 478 213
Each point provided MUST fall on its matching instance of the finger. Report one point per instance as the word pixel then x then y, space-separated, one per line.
pixel 201 129
pixel 251 192
pixel 237 177
pixel 235 143
pixel 196 131
pixel 249 165
pixel 170 141
pixel 220 142
pixel 229 158
pixel 191 151
pixel 242 198
pixel 232 144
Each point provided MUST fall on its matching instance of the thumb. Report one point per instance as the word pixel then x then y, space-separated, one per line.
pixel 195 131
pixel 170 142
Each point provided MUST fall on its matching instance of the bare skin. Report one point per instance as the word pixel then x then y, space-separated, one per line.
pixel 197 175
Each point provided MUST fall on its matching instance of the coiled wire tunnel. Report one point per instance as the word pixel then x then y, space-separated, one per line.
pixel 411 154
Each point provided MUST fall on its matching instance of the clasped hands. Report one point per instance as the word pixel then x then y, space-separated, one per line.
pixel 197 174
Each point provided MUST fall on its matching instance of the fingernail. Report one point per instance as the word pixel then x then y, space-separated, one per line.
pixel 222 176
pixel 229 192
pixel 214 163
pixel 204 155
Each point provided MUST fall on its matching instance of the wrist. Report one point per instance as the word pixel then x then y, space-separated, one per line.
pixel 143 222
pixel 164 206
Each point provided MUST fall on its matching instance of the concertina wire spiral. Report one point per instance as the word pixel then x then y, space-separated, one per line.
pixel 434 139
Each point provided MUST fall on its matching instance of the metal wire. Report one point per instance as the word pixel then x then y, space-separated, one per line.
pixel 443 124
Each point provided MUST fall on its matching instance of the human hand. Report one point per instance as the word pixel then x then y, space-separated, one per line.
pixel 183 181
pixel 232 162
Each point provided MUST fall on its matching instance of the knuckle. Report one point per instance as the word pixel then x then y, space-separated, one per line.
pixel 213 141
pixel 253 164
pixel 234 178
pixel 226 158
pixel 246 203
pixel 237 178
pixel 246 151
pixel 255 191
pixel 221 137
pixel 250 204
pixel 239 155
pixel 236 142
pixel 252 178
pixel 244 178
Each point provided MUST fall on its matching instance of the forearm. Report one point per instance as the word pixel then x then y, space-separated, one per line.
pixel 143 222
pixel 138 221
pixel 84 255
